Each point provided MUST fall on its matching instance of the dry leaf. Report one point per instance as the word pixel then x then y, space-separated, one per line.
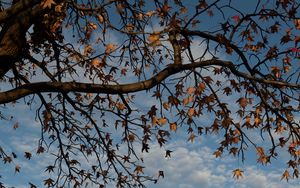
pixel 276 71
pixel 110 48
pixel 129 27
pixel 56 26
pixel 92 25
pixel 58 8
pixel 237 173
pixel 183 10
pixel 192 137
pixel 166 105
pixel 49 182
pixel 191 112
pixel 17 168
pixel 190 90
pixel 139 169
pixel 217 153
pixel 260 151
pixel 154 120
pixel 173 126
pixel 96 62
pixel 150 13
pixel 297 24
pixel 285 175
pixel 131 137
pixel 187 100
pixel 243 102
pixel 201 86
pixel 16 125
pixel 162 121
pixel 100 18
pixel 154 39
pixel 88 49
pixel 121 106
pixel 257 121
pixel 27 155
pixel 47 3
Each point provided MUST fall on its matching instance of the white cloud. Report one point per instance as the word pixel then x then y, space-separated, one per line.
pixel 197 167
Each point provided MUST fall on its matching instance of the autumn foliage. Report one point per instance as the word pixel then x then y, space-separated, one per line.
pixel 111 78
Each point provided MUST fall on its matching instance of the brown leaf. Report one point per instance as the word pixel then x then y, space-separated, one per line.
pixel 297 24
pixel 190 90
pixel 17 168
pixel 150 13
pixel 191 112
pixel 263 159
pixel 166 105
pixel 96 62
pixel 56 26
pixel 154 39
pixel 131 137
pixel 7 159
pixel 237 173
pixel 192 137
pixel 28 155
pixel 145 147
pixel 260 151
pixel 154 120
pixel 88 50
pixel 100 18
pixel 168 154
pixel 217 153
pixel 285 175
pixel 109 48
pixel 242 102
pixel 161 173
pixel 234 151
pixel 187 100
pixel 40 149
pixel 276 71
pixel 173 126
pixel 139 169
pixel 296 173
pixel 47 3
pixel 162 121
pixel 16 125
pixel 121 106
pixel 202 86
pixel 50 168
pixel 49 182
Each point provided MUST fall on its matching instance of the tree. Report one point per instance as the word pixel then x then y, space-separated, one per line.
pixel 83 64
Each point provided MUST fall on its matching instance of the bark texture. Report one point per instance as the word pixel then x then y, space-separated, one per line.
pixel 18 20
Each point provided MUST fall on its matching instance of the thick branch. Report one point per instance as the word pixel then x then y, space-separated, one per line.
pixel 176 47
pixel 65 87
pixel 12 37
pixel 15 9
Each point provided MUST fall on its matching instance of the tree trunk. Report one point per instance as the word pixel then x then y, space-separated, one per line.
pixel 12 37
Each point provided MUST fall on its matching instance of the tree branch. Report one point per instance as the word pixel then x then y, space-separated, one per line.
pixel 15 9
pixel 12 37
pixel 64 87
pixel 216 39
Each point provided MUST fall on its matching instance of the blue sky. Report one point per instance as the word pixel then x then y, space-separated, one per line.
pixel 192 165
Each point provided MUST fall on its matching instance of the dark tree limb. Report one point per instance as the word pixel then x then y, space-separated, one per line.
pixel 12 37
pixel 65 87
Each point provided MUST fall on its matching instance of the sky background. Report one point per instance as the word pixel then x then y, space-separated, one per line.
pixel 192 165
